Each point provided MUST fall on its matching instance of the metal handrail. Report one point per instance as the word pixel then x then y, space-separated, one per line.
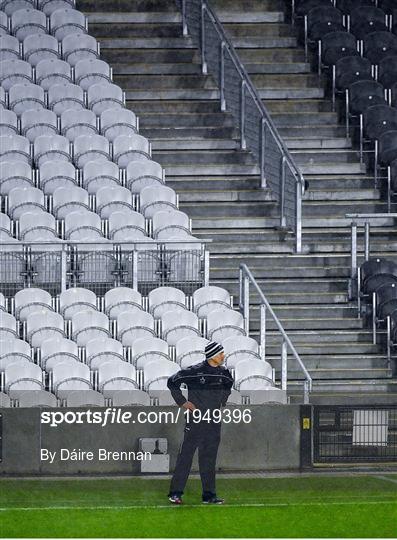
pixel 266 126
pixel 246 278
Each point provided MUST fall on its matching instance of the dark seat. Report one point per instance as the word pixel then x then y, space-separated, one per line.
pixel 365 21
pixel 377 272
pixel 347 6
pixel 387 5
pixel 323 19
pixel 302 7
pixel 363 94
pixel 351 69
pixel 386 300
pixel 387 147
pixel 336 45
pixel 387 71
pixel 379 45
pixel 378 119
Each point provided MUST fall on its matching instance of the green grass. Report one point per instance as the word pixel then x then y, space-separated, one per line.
pixel 350 506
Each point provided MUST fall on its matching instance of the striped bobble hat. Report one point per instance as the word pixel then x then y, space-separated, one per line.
pixel 212 349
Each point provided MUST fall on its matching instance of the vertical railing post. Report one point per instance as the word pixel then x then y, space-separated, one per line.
pixel 388 331
pixel 306 392
pixel 366 240
pixel 262 143
pixel 353 260
pixel 263 331
pixel 246 307
pixel 298 216
pixel 204 69
pixel 184 20
pixel 222 76
pixel 135 269
pixel 284 365
pixel 240 290
pixel 374 318
pixel 206 267
pixel 243 144
pixel 282 191
pixel 63 267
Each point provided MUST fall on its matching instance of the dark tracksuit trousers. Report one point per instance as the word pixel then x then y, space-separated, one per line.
pixel 208 389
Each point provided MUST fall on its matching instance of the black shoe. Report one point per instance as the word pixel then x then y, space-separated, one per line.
pixel 214 500
pixel 175 499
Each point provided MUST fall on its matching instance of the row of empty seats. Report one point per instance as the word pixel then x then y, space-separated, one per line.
pixel 136 361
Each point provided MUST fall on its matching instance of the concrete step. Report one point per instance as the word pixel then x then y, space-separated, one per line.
pixel 304 118
pixel 243 30
pixel 211 169
pixel 336 374
pixel 318 144
pixel 167 6
pixel 291 325
pixel 346 398
pixel 191 120
pixel 169 158
pixel 135 17
pixel 298 106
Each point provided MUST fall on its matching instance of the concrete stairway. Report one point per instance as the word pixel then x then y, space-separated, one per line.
pixel 218 184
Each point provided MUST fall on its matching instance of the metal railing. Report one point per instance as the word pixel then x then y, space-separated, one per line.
pixel 246 278
pixel 100 266
pixel 238 95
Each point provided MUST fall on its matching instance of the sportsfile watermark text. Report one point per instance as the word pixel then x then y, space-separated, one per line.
pixel 116 415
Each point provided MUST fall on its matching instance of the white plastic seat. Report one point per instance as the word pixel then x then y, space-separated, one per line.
pixel 83 398
pixel 14 174
pixel 90 148
pixel 9 6
pixel 37 47
pixel 14 148
pixel 132 325
pixel 55 349
pixel 36 123
pixel 128 148
pixel 252 374
pixel 57 359
pixel 115 122
pixel 206 299
pixel 103 96
pixel 65 96
pixel 44 324
pixel 25 22
pixel 126 398
pixel 170 222
pixel 33 398
pixel 144 173
pixel 116 376
pixel 122 299
pixel 177 324
pixel 49 6
pixel 5 225
pixel 125 220
pixel 65 21
pixel 222 324
pixel 12 348
pixel 52 71
pixel 3 101
pixel 190 351
pixel 76 299
pixel 89 324
pixel 155 198
pixel 2 301
pixel 14 72
pixel 236 346
pixel 30 377
pixel 51 148
pixel 145 350
pixel 80 46
pixel 78 223
pixel 9 48
pixel 26 96
pixel 24 199
pixel 78 122
pixel 100 174
pixel 156 374
pixel 55 174
pixel 8 123
pixel 70 376
pixel 164 299
pixel 112 199
pixel 29 300
pixel 91 71
pixel 107 349
pixel 69 199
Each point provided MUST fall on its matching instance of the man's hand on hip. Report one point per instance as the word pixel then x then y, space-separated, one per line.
pixel 188 405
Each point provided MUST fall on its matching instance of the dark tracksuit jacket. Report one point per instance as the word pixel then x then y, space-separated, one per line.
pixel 208 389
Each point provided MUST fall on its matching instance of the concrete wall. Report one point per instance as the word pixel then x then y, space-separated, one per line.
pixel 270 441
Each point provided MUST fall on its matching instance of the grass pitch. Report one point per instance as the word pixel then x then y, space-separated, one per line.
pixel 348 506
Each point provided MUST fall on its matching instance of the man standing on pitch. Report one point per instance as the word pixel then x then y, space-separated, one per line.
pixel 209 385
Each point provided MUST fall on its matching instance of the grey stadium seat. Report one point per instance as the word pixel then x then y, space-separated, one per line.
pixel 76 299
pixel 14 72
pixel 122 221
pixel 145 349
pixel 115 122
pixel 36 123
pixel 55 174
pixel 132 325
pixel 155 198
pixel 9 48
pixel 69 199
pixel 103 96
pixel 102 350
pixel 207 299
pixel 4 24
pixel 120 299
pixel 8 123
pixel 78 122
pixel 25 22
pixel 14 148
pixel 190 351
pixel 89 324
pixel 8 325
pixel 44 324
pixel 52 71
pixel 111 199
pixel 83 398
pixel 34 398
pixel 224 323
pixel 57 348
pixel 9 6
pixel 79 46
pixel 141 174
pixel 90 147
pixel 49 6
pixel 91 71
pixel 100 174
pixel 28 300
pixel 37 47
pixel 65 96
pixel 164 299
pixel 66 21
pixel 128 148
pixel 177 324
pixel 54 147
pixel 38 225
pixel 170 222
pixel 82 224
pixel 25 199
pixel 26 96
